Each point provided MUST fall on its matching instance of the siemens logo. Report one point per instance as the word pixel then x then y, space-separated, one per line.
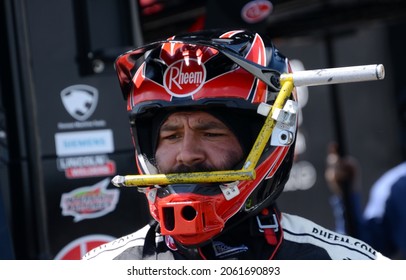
pixel 84 142
pixel 76 143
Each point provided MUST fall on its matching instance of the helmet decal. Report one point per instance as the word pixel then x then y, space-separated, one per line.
pixel 230 34
pixel 151 89
pixel 258 55
pixel 184 77
pixel 220 86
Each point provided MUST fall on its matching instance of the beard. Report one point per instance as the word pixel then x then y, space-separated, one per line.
pixel 230 162
pixel 200 167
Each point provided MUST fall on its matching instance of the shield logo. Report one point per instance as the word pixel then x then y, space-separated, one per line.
pixel 80 101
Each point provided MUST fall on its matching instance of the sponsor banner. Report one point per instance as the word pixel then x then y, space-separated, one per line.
pixel 80 101
pixel 80 246
pixel 256 11
pixel 90 202
pixel 87 166
pixel 91 171
pixel 84 142
pixel 197 269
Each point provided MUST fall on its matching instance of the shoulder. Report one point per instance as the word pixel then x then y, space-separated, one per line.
pixel 390 177
pixel 337 246
pixel 396 199
pixel 382 189
pixel 115 248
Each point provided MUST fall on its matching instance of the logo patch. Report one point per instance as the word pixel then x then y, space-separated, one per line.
pixel 84 142
pixel 86 166
pixel 256 11
pixel 80 101
pixel 222 250
pixel 79 247
pixel 89 202
pixel 184 77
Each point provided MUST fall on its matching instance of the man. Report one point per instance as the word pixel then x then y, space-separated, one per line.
pixel 383 222
pixel 213 155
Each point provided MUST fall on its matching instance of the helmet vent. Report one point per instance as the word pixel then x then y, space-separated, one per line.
pixel 189 213
pixel 169 218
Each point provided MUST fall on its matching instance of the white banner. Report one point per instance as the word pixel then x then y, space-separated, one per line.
pixel 219 270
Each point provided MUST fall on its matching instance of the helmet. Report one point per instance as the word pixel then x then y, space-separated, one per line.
pixel 220 72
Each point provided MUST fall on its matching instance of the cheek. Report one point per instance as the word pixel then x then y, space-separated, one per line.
pixel 225 150
pixel 164 157
pixel 231 144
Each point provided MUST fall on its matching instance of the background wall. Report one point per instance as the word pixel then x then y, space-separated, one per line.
pixel 368 112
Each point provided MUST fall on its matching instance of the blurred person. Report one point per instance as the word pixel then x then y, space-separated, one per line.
pixel 382 223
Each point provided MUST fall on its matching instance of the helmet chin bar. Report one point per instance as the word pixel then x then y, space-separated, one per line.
pixel 190 222
pixel 247 172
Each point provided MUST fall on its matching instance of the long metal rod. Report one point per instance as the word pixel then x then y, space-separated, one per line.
pixel 339 75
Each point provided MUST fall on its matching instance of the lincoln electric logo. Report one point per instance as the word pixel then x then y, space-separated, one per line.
pixel 184 77
pixel 80 101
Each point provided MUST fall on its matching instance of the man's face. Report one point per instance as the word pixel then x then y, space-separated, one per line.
pixel 196 141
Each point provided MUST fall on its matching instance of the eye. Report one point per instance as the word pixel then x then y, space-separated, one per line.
pixel 170 136
pixel 213 134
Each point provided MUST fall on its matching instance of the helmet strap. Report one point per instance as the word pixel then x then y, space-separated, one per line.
pixel 268 225
pixel 149 249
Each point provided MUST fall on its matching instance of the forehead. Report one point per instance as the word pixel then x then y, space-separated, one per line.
pixel 193 117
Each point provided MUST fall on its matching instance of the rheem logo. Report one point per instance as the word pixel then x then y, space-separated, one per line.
pixel 256 11
pixel 184 77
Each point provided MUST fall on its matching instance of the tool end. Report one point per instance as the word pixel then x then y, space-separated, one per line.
pixel 380 72
pixel 118 181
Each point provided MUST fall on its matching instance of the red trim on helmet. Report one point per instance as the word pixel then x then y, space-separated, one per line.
pixel 173 51
pixel 278 162
pixel 260 94
pixel 129 103
pixel 258 57
pixel 220 86
pixel 150 89
pixel 266 168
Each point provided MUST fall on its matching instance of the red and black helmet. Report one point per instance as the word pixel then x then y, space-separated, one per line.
pixel 220 72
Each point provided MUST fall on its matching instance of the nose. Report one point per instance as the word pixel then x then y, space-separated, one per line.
pixel 191 151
